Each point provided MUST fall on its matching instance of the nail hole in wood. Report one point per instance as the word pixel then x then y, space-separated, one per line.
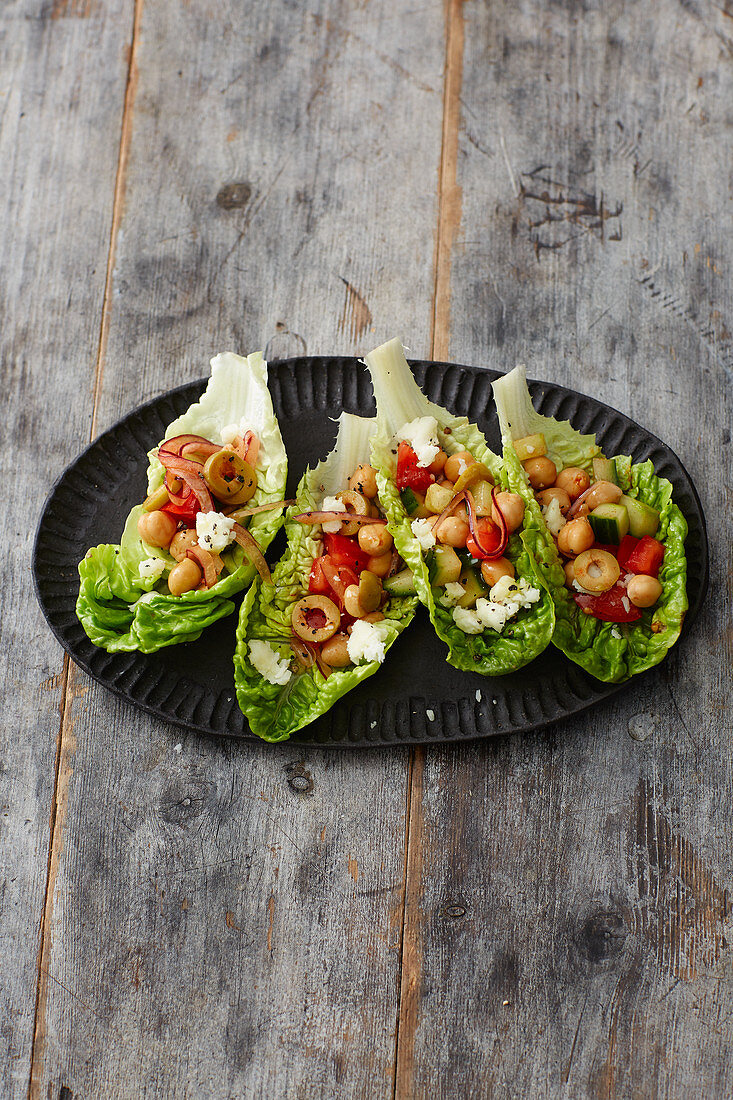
pixel 455 911
pixel 299 778
pixel 233 196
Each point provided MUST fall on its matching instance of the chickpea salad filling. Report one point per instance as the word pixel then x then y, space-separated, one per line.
pixel 466 525
pixel 337 599
pixel 618 568
pixel 214 503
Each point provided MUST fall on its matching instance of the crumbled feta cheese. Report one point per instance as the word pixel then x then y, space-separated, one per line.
pixel 215 531
pixel 366 642
pixel 529 448
pixel 231 431
pixel 478 696
pixel 554 519
pixel 372 725
pixel 615 632
pixel 151 568
pixel 430 715
pixel 269 664
pixel 422 435
pixel 625 603
pixel 453 593
pixel 423 532
pixel 332 504
pixel 493 616
pixel 467 620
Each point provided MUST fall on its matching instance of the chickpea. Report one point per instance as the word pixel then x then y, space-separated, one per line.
pixel 184 577
pixel 380 565
pixel 575 537
pixel 643 591
pixel 156 528
pixel 569 572
pixel 445 483
pixel 452 531
pixel 456 464
pixel 541 472
pixel 438 463
pixel 183 541
pixel 492 571
pixel 373 617
pixel 375 539
pixel 559 495
pixel 511 506
pixel 573 480
pixel 335 651
pixel 351 602
pixel 364 481
pixel 603 492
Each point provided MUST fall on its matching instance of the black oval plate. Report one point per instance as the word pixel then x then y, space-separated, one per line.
pixel 192 685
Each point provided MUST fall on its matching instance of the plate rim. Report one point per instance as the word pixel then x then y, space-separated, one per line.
pixel 606 689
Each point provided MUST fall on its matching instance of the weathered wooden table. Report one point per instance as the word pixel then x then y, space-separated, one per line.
pixel 544 916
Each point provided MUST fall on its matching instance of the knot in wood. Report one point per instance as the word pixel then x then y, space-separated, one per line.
pixel 602 936
pixel 233 196
pixel 300 779
pixel 455 911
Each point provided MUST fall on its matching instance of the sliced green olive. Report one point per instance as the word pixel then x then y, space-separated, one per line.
pixel 230 478
pixel 357 504
pixel 315 618
pixel 370 591
pixel 156 499
pixel 477 471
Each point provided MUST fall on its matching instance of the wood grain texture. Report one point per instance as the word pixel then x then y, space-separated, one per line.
pixel 569 907
pixel 62 73
pixel 227 918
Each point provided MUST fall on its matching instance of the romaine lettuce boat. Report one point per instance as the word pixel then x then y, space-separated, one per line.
pixel 465 523
pixel 617 571
pixel 215 488
pixel 333 607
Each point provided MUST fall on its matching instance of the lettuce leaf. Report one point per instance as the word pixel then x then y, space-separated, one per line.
pixel 122 612
pixel 275 712
pixel 400 400
pixel 609 651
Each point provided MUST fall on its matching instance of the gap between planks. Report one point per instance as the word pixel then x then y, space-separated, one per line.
pixel 60 789
pixel 448 224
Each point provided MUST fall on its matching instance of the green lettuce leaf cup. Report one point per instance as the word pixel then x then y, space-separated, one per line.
pixel 609 651
pixel 119 610
pixel 275 711
pixel 399 401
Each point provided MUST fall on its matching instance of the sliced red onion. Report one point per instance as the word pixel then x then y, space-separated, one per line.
pixel 242 513
pixel 252 550
pixel 176 443
pixel 577 503
pixel 190 472
pixel 343 517
pixel 206 560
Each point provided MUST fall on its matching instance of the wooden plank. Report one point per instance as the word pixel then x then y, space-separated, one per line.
pixel 62 79
pixel 218 930
pixel 568 924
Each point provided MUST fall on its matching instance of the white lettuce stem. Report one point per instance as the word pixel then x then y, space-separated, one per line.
pixel 350 450
pixel 398 396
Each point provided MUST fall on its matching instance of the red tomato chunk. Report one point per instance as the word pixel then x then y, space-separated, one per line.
pixel 609 606
pixel 409 474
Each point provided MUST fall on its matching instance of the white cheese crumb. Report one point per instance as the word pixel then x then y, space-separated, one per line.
pixel 467 620
pixel 453 593
pixel 554 519
pixel 625 603
pixel 231 431
pixel 530 449
pixel 269 664
pixel 423 532
pixel 422 435
pixel 478 696
pixel 332 504
pixel 430 715
pixel 615 632
pixel 215 531
pixel 366 642
pixel 492 615
pixel 372 725
pixel 151 568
